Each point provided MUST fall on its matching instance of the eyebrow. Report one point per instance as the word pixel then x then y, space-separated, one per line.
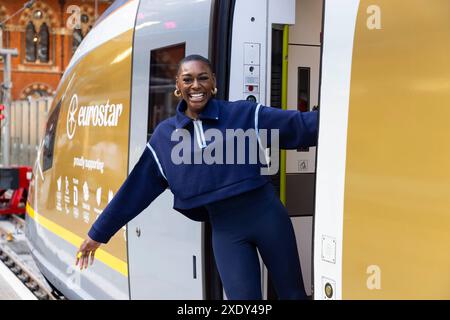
pixel 200 74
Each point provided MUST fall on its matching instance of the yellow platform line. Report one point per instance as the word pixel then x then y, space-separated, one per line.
pixel 103 256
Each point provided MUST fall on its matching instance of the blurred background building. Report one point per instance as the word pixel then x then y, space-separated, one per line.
pixel 45 34
pixel 44 41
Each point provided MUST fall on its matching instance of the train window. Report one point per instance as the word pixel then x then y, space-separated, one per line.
pixel 304 75
pixel 49 137
pixel 163 70
pixel 303 94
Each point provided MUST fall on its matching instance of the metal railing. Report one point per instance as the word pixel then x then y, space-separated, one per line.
pixel 28 119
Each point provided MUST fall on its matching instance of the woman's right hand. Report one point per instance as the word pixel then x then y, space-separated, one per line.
pixel 86 250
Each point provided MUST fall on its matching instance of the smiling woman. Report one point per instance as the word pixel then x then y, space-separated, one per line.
pixel 237 199
pixel 196 83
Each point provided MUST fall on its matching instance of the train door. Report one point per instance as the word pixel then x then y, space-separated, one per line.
pixel 381 223
pixel 165 248
pixel 275 58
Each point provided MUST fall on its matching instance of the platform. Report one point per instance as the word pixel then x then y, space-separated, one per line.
pixel 11 288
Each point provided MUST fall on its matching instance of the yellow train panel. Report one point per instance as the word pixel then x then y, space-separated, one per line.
pixel 397 184
pixel 91 148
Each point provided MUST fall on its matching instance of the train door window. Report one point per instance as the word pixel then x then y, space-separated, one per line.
pixel 163 70
pixel 303 93
pixel 49 137
pixel 303 89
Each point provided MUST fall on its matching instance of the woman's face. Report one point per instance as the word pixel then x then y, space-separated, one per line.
pixel 195 80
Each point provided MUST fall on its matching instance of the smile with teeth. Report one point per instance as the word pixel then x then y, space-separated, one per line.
pixel 197 96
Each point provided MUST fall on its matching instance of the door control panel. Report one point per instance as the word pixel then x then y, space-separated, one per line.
pixel 252 52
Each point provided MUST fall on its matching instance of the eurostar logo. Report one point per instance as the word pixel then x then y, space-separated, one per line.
pixel 94 115
pixel 71 121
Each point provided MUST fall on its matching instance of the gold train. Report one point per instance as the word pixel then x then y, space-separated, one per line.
pixel 370 206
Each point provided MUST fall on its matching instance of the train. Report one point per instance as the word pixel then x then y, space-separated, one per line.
pixel 369 204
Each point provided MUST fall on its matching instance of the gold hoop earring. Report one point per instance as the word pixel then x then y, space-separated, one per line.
pixel 177 93
pixel 214 91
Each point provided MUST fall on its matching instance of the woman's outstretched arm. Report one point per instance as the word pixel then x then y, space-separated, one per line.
pixel 141 187
pixel 296 129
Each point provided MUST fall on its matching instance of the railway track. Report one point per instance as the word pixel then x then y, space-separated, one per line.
pixel 15 255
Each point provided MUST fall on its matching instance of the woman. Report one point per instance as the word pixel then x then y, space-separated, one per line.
pixel 239 201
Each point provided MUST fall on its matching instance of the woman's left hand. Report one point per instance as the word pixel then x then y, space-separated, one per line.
pixel 86 250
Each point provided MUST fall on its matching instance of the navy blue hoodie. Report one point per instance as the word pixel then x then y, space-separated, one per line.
pixel 195 185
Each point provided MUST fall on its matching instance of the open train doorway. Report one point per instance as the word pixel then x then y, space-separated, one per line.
pixel 294 84
pixel 275 60
pixel 302 74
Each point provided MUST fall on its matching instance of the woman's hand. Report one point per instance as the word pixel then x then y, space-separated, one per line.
pixel 86 250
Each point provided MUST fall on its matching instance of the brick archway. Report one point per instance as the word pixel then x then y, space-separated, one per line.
pixel 37 90
pixel 50 17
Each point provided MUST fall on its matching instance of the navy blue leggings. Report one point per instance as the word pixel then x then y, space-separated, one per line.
pixel 247 222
